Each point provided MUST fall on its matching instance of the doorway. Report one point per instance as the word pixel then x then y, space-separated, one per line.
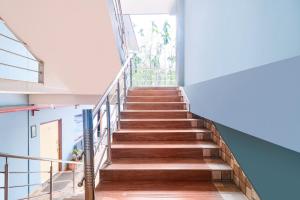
pixel 50 146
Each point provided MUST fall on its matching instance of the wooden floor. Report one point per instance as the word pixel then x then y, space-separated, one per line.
pixel 142 190
pixel 161 152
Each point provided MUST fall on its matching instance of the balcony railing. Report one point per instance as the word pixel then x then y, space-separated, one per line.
pixel 51 173
pixel 16 61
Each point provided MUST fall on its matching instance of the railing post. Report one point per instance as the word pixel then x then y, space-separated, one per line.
pixel 51 181
pixel 73 179
pixel 88 154
pixel 130 71
pixel 6 180
pixel 108 161
pixel 119 103
pixel 99 126
pixel 125 86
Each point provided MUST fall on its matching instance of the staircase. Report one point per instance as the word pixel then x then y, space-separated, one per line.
pixel 161 152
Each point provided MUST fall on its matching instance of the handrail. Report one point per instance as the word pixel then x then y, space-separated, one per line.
pixel 111 86
pixel 5 155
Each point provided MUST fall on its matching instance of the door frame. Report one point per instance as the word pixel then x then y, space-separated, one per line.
pixel 59 121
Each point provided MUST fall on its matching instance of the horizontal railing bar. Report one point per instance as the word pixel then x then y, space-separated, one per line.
pixel 20 186
pixel 103 98
pixel 4 155
pixel 12 39
pixel 37 172
pixel 16 54
pixel 18 67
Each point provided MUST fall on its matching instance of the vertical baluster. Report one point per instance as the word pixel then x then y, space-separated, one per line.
pixel 99 126
pixel 73 179
pixel 118 103
pixel 51 181
pixel 130 68
pixel 88 154
pixel 6 180
pixel 125 86
pixel 108 130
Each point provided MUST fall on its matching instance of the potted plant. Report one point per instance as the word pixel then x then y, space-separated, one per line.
pixel 76 153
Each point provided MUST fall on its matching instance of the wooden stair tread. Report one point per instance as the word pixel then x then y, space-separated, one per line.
pixel 158 120
pixel 165 145
pixel 167 164
pixel 198 130
pixel 175 190
pixel 154 88
pixel 147 103
pixel 155 111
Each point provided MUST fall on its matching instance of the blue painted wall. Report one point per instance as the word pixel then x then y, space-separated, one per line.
pixel 224 37
pixel 263 102
pixel 14 138
pixel 242 70
pixel 273 170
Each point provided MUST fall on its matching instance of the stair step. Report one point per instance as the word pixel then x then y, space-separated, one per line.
pixel 161 135
pixel 154 88
pixel 155 106
pixel 150 92
pixel 168 190
pixel 167 170
pixel 155 114
pixel 160 123
pixel 198 149
pixel 154 99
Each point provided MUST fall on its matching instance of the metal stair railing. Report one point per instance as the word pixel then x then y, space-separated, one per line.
pixel 51 173
pixel 99 124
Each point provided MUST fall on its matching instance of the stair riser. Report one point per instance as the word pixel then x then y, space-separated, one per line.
pixel 132 137
pixel 159 124
pixel 155 115
pixel 156 175
pixel 153 93
pixel 164 153
pixel 133 106
pixel 154 99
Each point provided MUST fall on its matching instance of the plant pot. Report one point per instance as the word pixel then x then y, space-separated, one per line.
pixel 71 166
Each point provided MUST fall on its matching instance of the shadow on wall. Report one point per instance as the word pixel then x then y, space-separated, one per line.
pixel 273 170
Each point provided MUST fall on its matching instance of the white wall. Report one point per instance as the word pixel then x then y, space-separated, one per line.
pixel 224 37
